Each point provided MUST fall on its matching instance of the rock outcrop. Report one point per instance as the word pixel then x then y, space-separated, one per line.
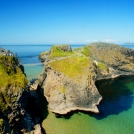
pixel 17 113
pixel 68 79
pixel 113 60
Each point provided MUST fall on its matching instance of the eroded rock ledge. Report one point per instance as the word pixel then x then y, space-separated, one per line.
pixel 68 78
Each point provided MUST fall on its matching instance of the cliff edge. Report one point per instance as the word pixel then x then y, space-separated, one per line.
pixel 16 111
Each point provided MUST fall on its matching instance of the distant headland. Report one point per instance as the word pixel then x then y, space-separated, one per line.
pixel 128 43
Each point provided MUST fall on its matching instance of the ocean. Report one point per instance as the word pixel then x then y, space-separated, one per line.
pixel 116 109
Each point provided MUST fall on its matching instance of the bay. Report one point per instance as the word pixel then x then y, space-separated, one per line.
pixel 116 109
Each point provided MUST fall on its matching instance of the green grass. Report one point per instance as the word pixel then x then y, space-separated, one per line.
pixel 11 78
pixel 86 51
pixel 102 66
pixel 10 74
pixel 72 67
pixel 63 90
pixel 55 52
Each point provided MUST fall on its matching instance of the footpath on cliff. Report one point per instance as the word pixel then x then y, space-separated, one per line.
pixel 68 78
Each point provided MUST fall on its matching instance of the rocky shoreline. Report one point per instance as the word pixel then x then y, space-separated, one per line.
pixel 67 82
pixel 69 76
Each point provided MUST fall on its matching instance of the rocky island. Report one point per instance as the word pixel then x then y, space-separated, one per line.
pixel 69 76
pixel 18 112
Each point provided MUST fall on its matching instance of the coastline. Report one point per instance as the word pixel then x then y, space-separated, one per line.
pixel 95 110
pixel 80 122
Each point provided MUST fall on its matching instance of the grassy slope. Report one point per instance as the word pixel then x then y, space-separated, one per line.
pixel 10 74
pixel 76 62
pixel 11 78
pixel 110 53
pixel 72 67
pixel 71 64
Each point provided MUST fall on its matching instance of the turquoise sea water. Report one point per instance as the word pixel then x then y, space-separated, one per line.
pixel 116 112
pixel 28 54
pixel 116 109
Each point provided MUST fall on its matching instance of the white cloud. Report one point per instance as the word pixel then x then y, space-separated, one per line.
pixel 87 40
pixel 109 40
pixel 94 40
pixel 73 41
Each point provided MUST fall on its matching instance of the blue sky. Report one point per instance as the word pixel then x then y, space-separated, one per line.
pixel 66 21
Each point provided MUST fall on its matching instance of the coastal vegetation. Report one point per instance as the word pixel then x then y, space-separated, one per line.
pixel 68 78
pixel 11 78
pixel 86 51
pixel 102 66
pixel 71 74
pixel 16 103
pixel 10 74
pixel 56 52
pixel 63 90
pixel 72 67
pixel 111 54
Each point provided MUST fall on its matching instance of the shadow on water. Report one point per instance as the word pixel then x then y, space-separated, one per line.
pixel 41 100
pixel 117 97
pixel 44 109
pixel 67 116
pixel 43 104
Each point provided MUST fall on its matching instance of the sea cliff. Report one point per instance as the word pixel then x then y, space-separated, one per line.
pixel 17 114
pixel 69 76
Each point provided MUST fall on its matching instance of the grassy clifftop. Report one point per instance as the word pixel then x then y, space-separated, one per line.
pixel 70 75
pixel 112 55
pixel 64 59
pixel 72 67
pixel 10 74
pixel 11 80
pixel 57 51
pixel 70 63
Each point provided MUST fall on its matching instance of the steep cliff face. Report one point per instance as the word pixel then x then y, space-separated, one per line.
pixel 69 85
pixel 15 111
pixel 68 79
